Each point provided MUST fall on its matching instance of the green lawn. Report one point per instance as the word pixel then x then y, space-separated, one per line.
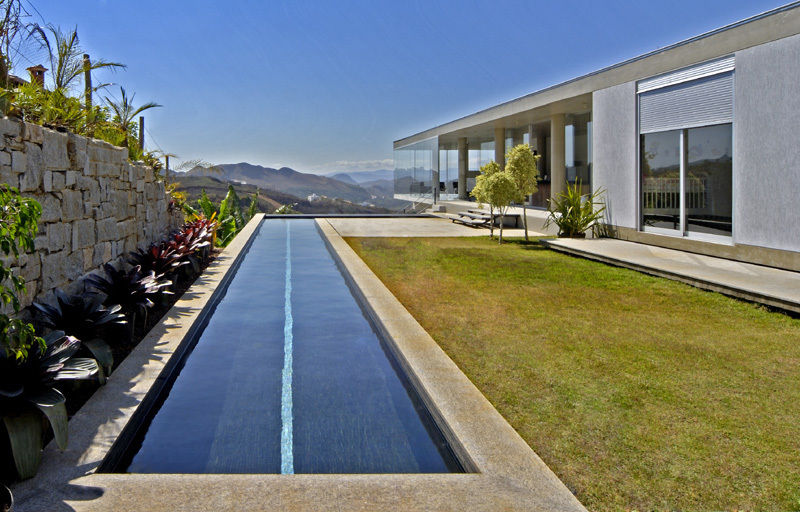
pixel 640 393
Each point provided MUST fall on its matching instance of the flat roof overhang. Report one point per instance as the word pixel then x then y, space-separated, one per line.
pixel 568 96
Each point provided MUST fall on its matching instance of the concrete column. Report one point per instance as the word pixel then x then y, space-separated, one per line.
pixel 500 146
pixel 463 165
pixel 558 169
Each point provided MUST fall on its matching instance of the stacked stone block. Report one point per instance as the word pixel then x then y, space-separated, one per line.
pixel 96 205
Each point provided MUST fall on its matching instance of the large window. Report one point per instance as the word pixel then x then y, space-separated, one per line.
pixel 686 150
pixel 415 170
pixel 661 179
pixel 448 173
pixel 686 180
pixel 709 171
pixel 578 150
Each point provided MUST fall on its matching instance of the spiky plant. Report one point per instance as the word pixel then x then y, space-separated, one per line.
pixel 85 317
pixel 162 258
pixel 132 289
pixel 28 390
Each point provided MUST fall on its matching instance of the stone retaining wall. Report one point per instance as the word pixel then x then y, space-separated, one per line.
pixel 96 205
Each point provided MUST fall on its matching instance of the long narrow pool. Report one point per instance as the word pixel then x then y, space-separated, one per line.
pixel 288 376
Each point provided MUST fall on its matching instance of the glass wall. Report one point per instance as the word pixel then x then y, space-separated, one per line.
pixel 686 150
pixel 448 173
pixel 578 150
pixel 415 170
pixel 480 153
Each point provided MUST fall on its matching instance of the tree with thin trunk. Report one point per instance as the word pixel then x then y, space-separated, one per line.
pixel 497 188
pixel 523 167
pixel 15 31
pixel 67 60
pixel 481 192
pixel 125 113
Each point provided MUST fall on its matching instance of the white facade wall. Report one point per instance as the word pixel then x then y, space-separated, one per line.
pixel 614 166
pixel 767 145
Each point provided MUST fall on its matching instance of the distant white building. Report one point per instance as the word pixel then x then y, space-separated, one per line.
pixel 313 197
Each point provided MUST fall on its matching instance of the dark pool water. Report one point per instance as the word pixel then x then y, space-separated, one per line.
pixel 302 385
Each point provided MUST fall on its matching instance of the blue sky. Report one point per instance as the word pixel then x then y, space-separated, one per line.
pixel 327 86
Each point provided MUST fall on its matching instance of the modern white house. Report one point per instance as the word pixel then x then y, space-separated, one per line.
pixel 696 145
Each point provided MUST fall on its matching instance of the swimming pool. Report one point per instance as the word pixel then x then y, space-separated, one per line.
pixel 288 376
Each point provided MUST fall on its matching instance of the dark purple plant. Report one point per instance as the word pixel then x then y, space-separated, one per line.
pixel 161 258
pixel 28 390
pixel 133 290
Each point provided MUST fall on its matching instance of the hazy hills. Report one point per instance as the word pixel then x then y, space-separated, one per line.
pixel 268 200
pixel 361 177
pixel 373 187
pixel 284 180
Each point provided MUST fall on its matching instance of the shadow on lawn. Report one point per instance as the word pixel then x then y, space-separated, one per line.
pixel 531 245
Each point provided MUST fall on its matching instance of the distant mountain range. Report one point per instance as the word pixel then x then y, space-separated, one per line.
pixel 268 200
pixel 360 177
pixel 374 187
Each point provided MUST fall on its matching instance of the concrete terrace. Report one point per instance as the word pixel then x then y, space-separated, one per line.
pixel 419 226
pixel 765 285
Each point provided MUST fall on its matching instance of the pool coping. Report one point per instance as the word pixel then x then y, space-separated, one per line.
pixel 510 476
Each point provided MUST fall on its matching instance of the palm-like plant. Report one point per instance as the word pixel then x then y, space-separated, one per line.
pixel 66 58
pixel 28 390
pixel 575 213
pixel 125 112
pixel 229 215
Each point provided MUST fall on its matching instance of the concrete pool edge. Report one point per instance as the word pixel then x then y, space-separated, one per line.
pixel 98 424
pixel 510 477
pixel 481 438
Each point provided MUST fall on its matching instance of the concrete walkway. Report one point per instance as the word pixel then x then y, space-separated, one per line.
pixel 412 227
pixel 765 285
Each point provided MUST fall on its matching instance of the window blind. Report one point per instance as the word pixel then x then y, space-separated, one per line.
pixel 704 101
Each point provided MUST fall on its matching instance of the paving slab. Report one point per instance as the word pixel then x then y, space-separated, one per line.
pixel 413 227
pixel 773 287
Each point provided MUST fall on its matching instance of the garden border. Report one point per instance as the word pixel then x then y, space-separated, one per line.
pixel 98 424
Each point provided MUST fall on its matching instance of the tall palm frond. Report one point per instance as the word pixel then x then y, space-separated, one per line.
pixel 125 112
pixel 66 58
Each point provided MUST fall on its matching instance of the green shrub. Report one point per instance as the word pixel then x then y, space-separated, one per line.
pixel 19 217
pixel 229 215
pixel 574 213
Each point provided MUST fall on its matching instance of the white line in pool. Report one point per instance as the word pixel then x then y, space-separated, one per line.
pixel 287 455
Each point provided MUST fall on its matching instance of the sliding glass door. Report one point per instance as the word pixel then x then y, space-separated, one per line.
pixel 686 180
pixel 708 183
pixel 661 179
